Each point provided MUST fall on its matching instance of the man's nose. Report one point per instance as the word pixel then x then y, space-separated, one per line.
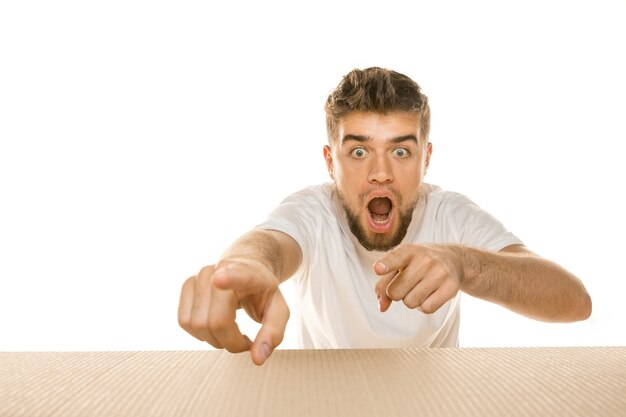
pixel 380 170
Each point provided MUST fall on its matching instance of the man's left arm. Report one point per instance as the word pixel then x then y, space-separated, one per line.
pixel 427 276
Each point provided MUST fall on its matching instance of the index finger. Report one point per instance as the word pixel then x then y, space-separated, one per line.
pixel 384 302
pixel 394 261
pixel 272 332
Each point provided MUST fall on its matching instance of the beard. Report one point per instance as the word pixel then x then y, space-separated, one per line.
pixel 378 241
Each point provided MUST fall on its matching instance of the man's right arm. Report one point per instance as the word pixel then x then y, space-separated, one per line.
pixel 247 276
pixel 277 250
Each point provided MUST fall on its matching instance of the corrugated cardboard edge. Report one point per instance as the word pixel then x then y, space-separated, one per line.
pixel 583 381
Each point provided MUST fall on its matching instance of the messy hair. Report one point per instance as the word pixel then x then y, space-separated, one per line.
pixel 375 90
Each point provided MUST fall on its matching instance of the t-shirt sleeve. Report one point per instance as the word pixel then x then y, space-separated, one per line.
pixel 478 228
pixel 299 216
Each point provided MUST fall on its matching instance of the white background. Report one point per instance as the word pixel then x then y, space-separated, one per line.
pixel 138 139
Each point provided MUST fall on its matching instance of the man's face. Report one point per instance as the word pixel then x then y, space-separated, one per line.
pixel 378 163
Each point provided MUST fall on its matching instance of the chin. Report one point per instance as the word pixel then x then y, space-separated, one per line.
pixel 380 242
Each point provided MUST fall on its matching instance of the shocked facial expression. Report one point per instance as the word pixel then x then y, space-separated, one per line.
pixel 378 163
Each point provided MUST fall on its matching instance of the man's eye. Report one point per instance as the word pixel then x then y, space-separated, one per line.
pixel 401 153
pixel 358 153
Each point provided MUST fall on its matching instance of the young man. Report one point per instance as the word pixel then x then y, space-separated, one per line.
pixel 375 235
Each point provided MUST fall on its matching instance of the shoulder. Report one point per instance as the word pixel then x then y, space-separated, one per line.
pixel 448 211
pixel 312 196
pixel 460 220
pixel 305 208
pixel 438 199
pixel 304 215
pixel 318 191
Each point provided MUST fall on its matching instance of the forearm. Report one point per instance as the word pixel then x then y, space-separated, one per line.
pixel 524 283
pixel 275 250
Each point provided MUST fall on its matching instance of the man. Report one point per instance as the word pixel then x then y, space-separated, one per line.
pixel 375 235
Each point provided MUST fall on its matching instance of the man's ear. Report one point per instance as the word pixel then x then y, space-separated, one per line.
pixel 328 156
pixel 429 151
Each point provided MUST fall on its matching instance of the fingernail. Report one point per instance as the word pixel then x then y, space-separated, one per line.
pixel 382 267
pixel 265 351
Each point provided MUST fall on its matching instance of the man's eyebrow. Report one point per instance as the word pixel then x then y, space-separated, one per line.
pixel 360 138
pixel 404 138
pixel 357 138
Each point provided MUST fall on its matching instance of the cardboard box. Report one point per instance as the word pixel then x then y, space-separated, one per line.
pixel 415 382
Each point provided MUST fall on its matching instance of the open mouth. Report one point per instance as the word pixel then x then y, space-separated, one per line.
pixel 380 213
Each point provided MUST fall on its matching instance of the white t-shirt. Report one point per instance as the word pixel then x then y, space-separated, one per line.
pixel 335 281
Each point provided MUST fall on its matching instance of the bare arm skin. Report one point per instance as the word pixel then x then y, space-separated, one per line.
pixel 426 276
pixel 247 276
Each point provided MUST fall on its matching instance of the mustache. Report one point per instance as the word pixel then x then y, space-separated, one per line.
pixel 372 189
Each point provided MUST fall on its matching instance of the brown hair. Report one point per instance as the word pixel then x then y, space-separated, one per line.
pixel 376 90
